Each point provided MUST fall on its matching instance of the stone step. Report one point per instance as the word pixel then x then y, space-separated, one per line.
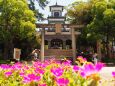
pixel 58 53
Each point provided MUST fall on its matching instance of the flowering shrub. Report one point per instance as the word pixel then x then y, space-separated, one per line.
pixel 50 73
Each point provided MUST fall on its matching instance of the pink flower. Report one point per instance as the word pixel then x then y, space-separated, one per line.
pixel 57 72
pixel 17 66
pixel 76 68
pixel 4 66
pixel 66 62
pixel 99 66
pixel 62 82
pixel 7 74
pixel 83 74
pixel 26 79
pixel 113 74
pixel 39 64
pixel 31 77
pixel 21 73
pixel 90 69
pixel 40 71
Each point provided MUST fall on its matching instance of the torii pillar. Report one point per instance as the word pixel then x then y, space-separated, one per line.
pixel 42 44
pixel 73 44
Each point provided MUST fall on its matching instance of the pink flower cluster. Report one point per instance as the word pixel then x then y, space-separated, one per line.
pixel 88 69
pixel 62 81
pixel 31 77
pixel 57 72
pixel 50 72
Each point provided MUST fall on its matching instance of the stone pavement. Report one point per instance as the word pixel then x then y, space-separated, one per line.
pixel 106 74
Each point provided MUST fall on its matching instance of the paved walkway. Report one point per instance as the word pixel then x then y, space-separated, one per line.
pixel 106 74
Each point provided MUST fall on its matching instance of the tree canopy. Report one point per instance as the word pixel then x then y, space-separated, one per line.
pixel 97 15
pixel 94 13
pixel 17 22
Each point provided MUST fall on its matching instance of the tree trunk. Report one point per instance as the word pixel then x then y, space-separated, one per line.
pixel 99 49
pixel 5 52
pixel 107 46
pixel 8 50
pixel 11 49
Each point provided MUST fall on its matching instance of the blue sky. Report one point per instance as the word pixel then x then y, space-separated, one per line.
pixel 53 2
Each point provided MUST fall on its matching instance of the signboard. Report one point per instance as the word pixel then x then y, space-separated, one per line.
pixel 17 53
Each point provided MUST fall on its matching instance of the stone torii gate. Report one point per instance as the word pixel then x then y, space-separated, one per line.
pixel 58 26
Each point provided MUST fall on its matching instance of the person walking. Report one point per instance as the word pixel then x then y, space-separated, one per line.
pixel 95 60
pixel 35 54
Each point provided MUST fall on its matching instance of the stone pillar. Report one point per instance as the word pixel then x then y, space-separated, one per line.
pixel 42 44
pixel 73 44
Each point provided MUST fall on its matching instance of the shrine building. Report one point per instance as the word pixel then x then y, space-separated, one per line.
pixel 58 37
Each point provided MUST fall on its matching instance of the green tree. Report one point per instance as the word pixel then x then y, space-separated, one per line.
pixel 79 12
pixel 99 17
pixel 17 22
pixel 103 23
